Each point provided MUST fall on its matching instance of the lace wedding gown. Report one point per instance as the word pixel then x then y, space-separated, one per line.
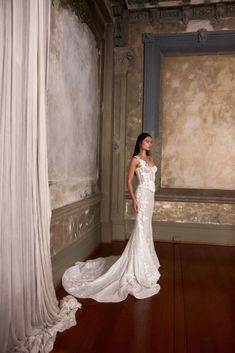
pixel 135 272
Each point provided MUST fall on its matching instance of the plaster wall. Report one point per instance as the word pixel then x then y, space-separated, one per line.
pixel 190 212
pixel 222 130
pixel 135 82
pixel 73 109
pixel 198 130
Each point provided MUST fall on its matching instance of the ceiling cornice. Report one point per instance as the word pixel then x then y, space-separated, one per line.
pixel 135 5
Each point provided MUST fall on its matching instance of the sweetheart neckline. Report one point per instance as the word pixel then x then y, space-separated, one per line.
pixel 150 166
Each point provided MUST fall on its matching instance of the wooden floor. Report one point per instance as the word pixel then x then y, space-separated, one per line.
pixel 193 313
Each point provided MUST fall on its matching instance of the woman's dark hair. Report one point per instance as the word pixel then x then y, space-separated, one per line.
pixel 139 140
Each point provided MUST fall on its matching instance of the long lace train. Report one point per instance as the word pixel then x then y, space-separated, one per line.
pixel 135 272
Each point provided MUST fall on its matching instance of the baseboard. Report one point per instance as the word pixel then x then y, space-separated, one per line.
pixel 190 233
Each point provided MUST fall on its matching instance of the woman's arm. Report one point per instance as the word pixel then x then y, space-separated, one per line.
pixel 132 167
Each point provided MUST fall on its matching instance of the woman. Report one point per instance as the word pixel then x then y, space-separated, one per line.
pixel 135 272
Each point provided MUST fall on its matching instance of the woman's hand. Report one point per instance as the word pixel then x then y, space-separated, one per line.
pixel 135 206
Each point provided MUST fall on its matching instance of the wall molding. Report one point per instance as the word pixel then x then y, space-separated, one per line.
pixel 73 222
pixel 189 233
pixel 73 207
pixel 181 12
pixel 156 46
pixel 123 59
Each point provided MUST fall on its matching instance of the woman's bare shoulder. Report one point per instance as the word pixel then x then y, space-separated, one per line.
pixel 135 161
pixel 136 157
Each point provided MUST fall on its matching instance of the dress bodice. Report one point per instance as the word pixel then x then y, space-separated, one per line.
pixel 146 174
pixel 136 271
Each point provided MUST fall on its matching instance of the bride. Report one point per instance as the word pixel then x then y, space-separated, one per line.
pixel 135 272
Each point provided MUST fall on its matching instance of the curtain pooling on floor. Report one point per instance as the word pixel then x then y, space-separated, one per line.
pixel 29 311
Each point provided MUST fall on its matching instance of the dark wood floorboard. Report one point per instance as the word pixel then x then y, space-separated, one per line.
pixel 193 313
pixel 180 338
pixel 209 296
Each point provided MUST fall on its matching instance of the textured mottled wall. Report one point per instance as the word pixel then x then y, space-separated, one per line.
pixel 201 213
pixel 198 115
pixel 190 212
pixel 73 109
pixel 135 82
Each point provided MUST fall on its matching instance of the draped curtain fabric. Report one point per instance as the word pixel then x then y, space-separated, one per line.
pixel 29 311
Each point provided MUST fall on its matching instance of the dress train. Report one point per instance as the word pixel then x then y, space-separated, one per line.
pixel 135 272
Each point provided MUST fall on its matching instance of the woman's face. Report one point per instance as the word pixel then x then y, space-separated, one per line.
pixel 147 143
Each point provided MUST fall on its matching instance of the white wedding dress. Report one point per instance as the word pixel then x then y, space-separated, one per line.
pixel 135 272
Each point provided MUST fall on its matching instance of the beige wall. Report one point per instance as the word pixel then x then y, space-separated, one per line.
pixel 135 82
pixel 72 128
pixel 213 150
pixel 197 118
pixel 73 123
pixel 73 109
pixel 190 212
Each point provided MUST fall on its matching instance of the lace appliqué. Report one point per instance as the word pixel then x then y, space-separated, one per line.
pixel 135 272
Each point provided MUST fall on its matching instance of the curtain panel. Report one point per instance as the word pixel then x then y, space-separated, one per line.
pixel 29 311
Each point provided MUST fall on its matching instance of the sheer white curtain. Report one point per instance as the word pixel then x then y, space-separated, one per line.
pixel 29 312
